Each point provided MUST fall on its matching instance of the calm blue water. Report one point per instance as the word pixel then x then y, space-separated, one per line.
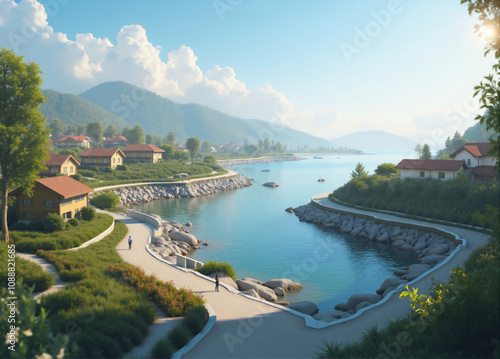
pixel 250 229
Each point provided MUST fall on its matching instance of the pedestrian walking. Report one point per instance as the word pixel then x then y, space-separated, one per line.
pixel 216 282
pixel 129 242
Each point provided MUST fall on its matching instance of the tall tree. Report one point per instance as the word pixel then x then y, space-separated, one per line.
pixel 95 131
pixel 171 138
pixel 57 128
pixel 387 170
pixel 418 150
pixel 149 139
pixel 359 171
pixel 23 135
pixel 267 144
pixel 136 135
pixel 193 146
pixel 426 152
pixel 110 131
pixel 169 152
pixel 206 146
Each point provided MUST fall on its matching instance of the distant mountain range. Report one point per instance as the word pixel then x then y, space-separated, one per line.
pixel 374 140
pixel 126 105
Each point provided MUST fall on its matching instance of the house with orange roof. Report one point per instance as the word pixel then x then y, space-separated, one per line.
pixel 479 160
pixel 60 164
pixel 117 141
pixel 143 153
pixel 102 157
pixel 437 169
pixel 72 141
pixel 62 195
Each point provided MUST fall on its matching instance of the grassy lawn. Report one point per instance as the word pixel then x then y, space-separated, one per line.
pixel 30 241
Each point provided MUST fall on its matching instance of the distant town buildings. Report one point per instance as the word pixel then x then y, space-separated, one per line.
pixel 72 141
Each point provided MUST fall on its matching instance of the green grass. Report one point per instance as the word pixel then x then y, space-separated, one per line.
pixel 30 242
pixel 454 200
pixel 214 267
pixel 30 273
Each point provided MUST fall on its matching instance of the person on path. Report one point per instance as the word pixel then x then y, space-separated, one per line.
pixel 129 242
pixel 217 283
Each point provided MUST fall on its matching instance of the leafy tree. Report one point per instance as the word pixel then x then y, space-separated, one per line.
pixel 149 139
pixel 87 213
pixel 23 135
pixel 126 132
pixel 193 146
pixel 95 131
pixel 181 156
pixel 170 139
pixel 157 140
pixel 387 170
pixel 53 223
pixel 359 171
pixel 267 144
pixel 57 128
pixel 206 146
pixel 80 129
pixel 426 153
pixel 251 149
pixel 169 152
pixel 106 200
pixel 110 131
pixel 279 147
pixel 136 135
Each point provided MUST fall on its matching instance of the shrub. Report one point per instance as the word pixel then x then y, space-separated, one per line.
pixel 19 226
pixel 214 267
pixel 74 222
pixel 87 173
pixel 77 177
pixel 196 319
pixel 162 349
pixel 121 167
pixel 35 226
pixel 179 336
pixel 53 223
pixel 105 200
pixel 87 213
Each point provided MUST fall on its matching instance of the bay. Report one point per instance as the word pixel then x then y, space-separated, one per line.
pixel 250 229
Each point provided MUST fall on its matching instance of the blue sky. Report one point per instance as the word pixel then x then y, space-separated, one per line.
pixel 325 67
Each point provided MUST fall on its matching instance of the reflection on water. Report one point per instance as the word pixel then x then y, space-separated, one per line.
pixel 250 229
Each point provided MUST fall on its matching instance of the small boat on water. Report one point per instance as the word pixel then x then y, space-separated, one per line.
pixel 318 158
pixel 265 170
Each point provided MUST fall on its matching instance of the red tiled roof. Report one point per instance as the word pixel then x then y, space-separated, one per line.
pixel 64 186
pixel 116 139
pixel 73 138
pixel 483 171
pixel 101 152
pixel 437 165
pixel 58 160
pixel 480 149
pixel 143 148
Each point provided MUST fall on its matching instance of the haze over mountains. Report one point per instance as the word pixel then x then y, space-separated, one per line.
pixel 123 105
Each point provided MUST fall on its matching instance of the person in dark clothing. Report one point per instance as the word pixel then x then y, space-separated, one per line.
pixel 217 283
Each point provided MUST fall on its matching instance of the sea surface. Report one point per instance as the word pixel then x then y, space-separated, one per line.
pixel 250 229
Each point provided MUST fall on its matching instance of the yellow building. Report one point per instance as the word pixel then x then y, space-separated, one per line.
pixel 60 164
pixel 62 195
pixel 72 141
pixel 102 157
pixel 143 153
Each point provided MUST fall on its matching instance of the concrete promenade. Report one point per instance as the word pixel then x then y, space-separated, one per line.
pixel 250 329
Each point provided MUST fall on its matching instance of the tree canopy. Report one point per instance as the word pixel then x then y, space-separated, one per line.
pixel 193 146
pixel 387 170
pixel 23 135
pixel 359 171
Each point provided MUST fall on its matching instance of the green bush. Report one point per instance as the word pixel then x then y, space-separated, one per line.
pixel 121 168
pixel 179 336
pixel 35 226
pixel 77 177
pixel 196 319
pixel 214 267
pixel 53 223
pixel 105 200
pixel 87 213
pixel 162 349
pixel 87 173
pixel 19 226
pixel 73 222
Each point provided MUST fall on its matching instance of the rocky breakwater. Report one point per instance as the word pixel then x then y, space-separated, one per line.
pixel 429 247
pixel 135 195
pixel 171 239
pixel 269 290
pixel 235 162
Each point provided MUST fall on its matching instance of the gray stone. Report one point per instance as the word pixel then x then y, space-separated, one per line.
pixel 252 293
pixel 362 305
pixel 354 300
pixel 304 307
pixel 284 283
pixel 271 184
pixel 439 249
pixel 433 259
pixel 331 316
pixel 252 280
pixel 389 282
pixel 280 292
pixel 184 237
pixel 264 292
pixel 416 270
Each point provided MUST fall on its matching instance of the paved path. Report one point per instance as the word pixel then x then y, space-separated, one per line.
pixel 249 329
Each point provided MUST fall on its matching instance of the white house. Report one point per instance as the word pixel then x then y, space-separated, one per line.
pixel 437 169
pixel 479 161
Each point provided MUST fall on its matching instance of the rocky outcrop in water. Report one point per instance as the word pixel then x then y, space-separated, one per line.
pixel 135 195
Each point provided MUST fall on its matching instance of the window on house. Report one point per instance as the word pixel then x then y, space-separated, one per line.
pixel 104 160
pixel 441 175
pixel 51 170
pixel 422 174
pixel 468 162
pixel 72 169
pixel 49 203
pixel 27 202
pixel 66 215
pixel 85 160
pixel 29 214
pixel 114 160
pixel 65 170
pixel 94 160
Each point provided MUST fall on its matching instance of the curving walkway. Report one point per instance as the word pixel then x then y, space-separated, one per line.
pixel 246 328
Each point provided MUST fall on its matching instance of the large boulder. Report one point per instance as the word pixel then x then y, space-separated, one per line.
pixel 304 307
pixel 280 292
pixel 389 282
pixel 356 299
pixel 184 237
pixel 416 270
pixel 252 293
pixel 256 281
pixel 331 316
pixel 439 249
pixel 432 260
pixel 284 283
pixel 271 184
pixel 224 278
pixel 264 292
